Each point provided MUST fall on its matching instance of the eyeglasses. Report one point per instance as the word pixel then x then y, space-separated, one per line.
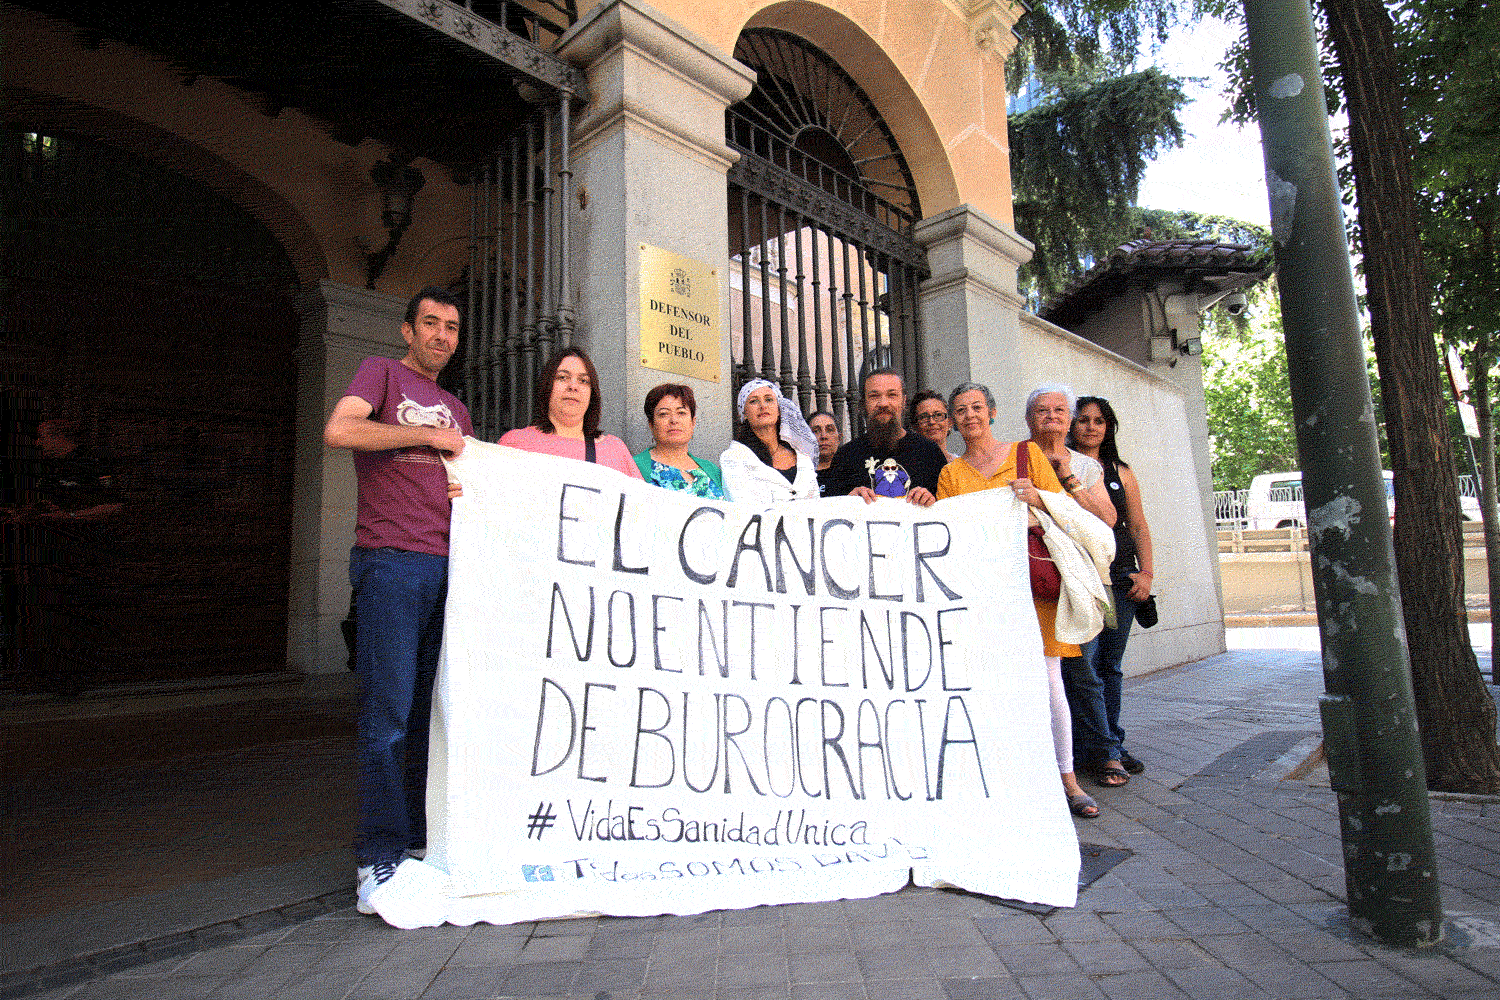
pixel 923 418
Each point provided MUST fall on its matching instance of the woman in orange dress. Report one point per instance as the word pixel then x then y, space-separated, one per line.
pixel 988 464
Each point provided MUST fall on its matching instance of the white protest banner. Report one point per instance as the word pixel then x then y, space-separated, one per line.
pixel 652 703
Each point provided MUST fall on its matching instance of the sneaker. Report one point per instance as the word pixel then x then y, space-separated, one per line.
pixel 368 878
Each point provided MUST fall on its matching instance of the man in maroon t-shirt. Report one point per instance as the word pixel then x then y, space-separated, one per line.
pixel 398 421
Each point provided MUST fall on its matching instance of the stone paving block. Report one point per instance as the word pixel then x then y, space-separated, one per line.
pixel 1168 897
pixel 1141 925
pixel 270 970
pixel 982 988
pixel 828 991
pixel 396 983
pixel 322 984
pixel 620 945
pixel 1290 980
pixel 1039 960
pixel 539 979
pixel 1220 984
pixel 688 971
pixel 1060 987
pixel 483 949
pixel 873 934
pixel 1174 953
pixel 1369 980
pixel 949 933
pixel 141 989
pixel 962 963
pixel 817 913
pixel 554 949
pixel 670 942
pixel 1111 898
pixel 827 967
pixel 904 989
pixel 1316 945
pixel 898 962
pixel 1014 928
pixel 1079 925
pixel 1104 957
pixel 1202 921
pixel 1145 985
pixel 818 938
pixel 1288 890
pixel 611 975
pixel 749 993
pixel 754 915
pixel 1440 973
pixel 753 970
pixel 753 939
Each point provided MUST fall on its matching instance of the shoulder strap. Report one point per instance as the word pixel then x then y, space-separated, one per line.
pixel 1023 459
pixel 588 450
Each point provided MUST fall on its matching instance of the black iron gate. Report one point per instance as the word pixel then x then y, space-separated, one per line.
pixel 520 298
pixel 824 270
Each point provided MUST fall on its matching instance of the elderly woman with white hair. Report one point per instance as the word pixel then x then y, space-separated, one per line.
pixel 1049 417
pixel 774 453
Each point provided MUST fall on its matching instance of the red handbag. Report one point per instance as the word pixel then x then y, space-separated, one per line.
pixel 1046 581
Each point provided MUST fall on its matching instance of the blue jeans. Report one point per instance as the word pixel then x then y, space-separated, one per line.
pixel 1109 651
pixel 400 598
pixel 1092 740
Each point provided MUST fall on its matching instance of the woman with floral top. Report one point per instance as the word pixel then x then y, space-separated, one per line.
pixel 672 413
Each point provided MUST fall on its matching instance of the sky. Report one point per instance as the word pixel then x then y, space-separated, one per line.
pixel 1219 170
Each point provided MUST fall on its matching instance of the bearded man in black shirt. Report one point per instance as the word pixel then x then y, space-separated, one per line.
pixel 887 459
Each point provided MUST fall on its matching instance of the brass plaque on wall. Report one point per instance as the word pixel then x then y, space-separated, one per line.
pixel 679 308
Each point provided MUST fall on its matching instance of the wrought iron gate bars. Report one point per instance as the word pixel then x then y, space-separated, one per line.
pixel 519 286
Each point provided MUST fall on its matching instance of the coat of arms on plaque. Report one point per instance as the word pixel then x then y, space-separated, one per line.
pixel 681 283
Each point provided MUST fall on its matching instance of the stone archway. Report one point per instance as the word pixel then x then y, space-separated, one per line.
pixel 154 317
pixel 822 206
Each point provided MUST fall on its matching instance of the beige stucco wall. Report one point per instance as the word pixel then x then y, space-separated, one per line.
pixel 935 72
pixel 1154 428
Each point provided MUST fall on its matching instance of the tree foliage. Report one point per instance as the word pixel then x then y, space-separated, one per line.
pixel 1076 167
pixel 1250 423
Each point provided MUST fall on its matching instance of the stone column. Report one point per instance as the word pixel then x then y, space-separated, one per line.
pixel 341 326
pixel 649 165
pixel 970 306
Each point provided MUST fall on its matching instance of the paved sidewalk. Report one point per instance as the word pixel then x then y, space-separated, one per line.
pixel 1231 885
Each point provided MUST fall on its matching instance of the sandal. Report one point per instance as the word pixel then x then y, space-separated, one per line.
pixel 1130 764
pixel 1083 806
pixel 1111 777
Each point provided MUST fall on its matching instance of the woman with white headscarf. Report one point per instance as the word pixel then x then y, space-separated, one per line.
pixel 774 454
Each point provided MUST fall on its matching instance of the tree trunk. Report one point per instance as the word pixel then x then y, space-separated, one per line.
pixel 1455 710
pixel 1489 491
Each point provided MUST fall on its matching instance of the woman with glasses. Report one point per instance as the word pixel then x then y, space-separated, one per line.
pixel 929 418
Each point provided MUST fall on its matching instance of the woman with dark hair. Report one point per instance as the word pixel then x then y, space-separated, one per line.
pixel 672 412
pixel 1093 434
pixel 760 465
pixel 929 418
pixel 565 416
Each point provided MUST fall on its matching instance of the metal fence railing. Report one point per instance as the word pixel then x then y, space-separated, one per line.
pixel 1229 505
pixel 1229 508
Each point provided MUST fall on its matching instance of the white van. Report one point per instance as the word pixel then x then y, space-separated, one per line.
pixel 1274 500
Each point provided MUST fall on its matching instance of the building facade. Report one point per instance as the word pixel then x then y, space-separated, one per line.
pixel 218 218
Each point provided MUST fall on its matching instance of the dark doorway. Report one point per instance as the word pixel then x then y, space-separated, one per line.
pixel 149 379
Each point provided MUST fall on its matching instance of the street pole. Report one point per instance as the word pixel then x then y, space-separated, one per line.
pixel 1369 715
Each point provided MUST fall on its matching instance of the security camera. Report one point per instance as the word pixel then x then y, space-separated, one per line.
pixel 1235 304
